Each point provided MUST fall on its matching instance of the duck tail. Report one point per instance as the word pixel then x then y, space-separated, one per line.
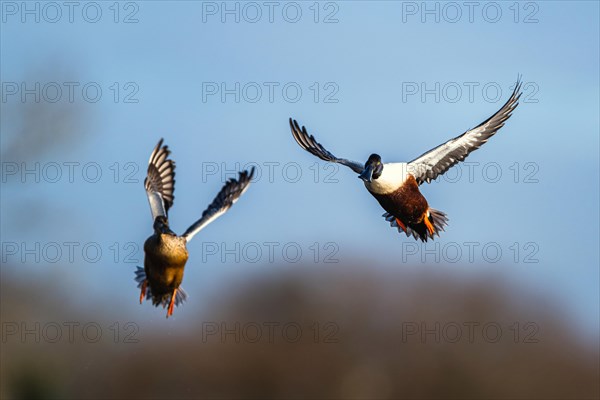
pixel 433 222
pixel 140 277
pixel 438 219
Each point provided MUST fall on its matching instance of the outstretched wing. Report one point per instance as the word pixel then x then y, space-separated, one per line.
pixel 160 181
pixel 228 195
pixel 440 159
pixel 308 143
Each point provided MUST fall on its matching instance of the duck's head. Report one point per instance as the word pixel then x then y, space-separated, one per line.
pixel 373 168
pixel 161 226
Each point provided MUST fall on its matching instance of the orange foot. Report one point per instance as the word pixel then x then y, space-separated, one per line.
pixel 428 225
pixel 143 293
pixel 401 225
pixel 172 304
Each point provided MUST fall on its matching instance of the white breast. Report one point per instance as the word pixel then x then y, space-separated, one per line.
pixel 392 177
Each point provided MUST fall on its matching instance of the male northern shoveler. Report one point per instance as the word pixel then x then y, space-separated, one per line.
pixel 165 251
pixel 396 185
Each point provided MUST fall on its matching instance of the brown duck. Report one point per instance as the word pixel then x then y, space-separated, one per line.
pixel 165 252
pixel 396 185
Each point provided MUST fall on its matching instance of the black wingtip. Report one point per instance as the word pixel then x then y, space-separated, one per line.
pixel 245 176
pixel 297 127
pixel 160 145
pixel 298 134
pixel 518 85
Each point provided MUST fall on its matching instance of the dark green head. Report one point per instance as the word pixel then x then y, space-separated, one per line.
pixel 373 168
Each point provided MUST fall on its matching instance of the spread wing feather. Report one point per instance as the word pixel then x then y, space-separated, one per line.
pixel 437 161
pixel 229 194
pixel 308 143
pixel 160 181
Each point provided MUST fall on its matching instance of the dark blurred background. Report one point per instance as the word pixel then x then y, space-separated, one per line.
pixel 342 332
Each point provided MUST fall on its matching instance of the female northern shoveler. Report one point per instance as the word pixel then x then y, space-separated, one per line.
pixel 165 252
pixel 396 185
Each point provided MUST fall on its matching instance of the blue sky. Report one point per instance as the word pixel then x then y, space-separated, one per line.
pixel 355 77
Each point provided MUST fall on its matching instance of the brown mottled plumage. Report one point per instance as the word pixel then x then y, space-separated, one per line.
pixel 164 264
pixel 165 252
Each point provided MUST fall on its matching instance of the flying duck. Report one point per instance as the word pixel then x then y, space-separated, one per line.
pixel 165 251
pixel 396 185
